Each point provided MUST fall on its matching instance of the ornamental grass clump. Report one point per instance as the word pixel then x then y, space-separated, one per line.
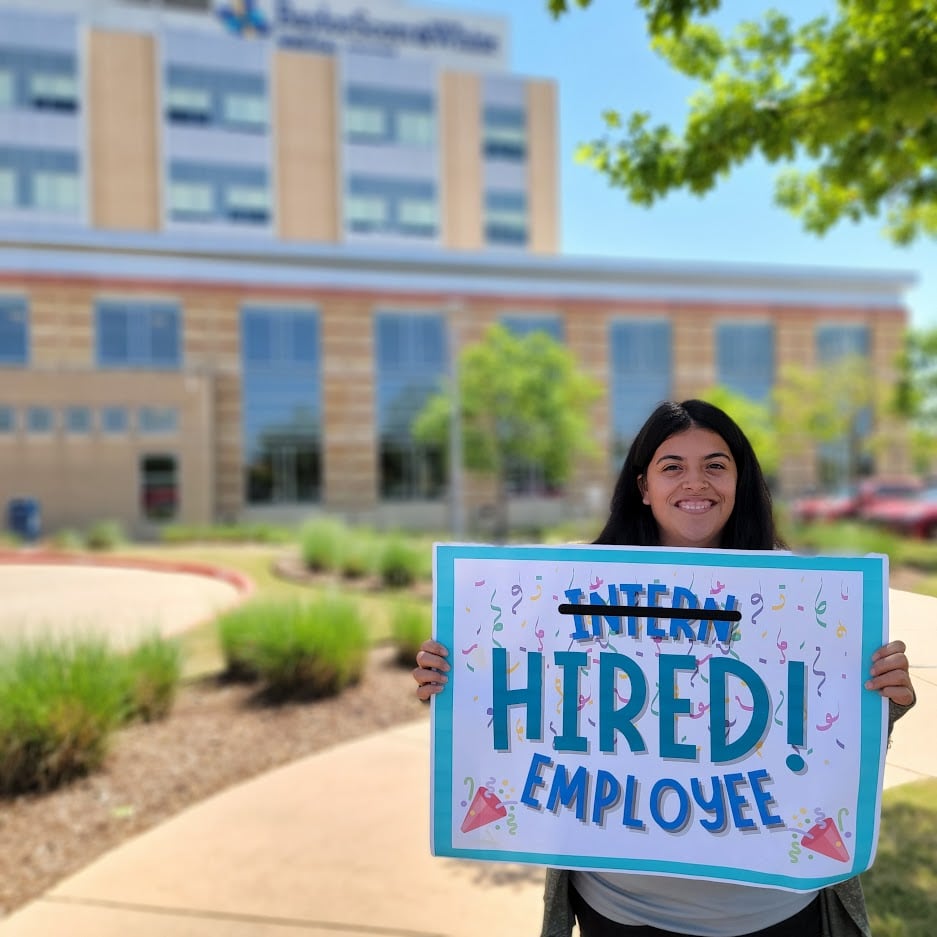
pixel 105 535
pixel 401 563
pixel 239 631
pixel 360 554
pixel 59 703
pixel 322 542
pixel 297 650
pixel 411 624
pixel 154 668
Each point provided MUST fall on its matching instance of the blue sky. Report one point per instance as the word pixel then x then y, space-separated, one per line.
pixel 600 59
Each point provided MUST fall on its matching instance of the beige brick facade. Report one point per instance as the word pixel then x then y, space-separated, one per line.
pixel 123 125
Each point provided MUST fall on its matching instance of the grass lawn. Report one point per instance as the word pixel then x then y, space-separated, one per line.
pixel 901 888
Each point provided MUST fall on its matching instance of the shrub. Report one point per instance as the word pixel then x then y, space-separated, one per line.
pixel 59 703
pixel 238 632
pixel 154 668
pixel 297 650
pixel 104 535
pixel 401 563
pixel 67 539
pixel 321 543
pixel 411 624
pixel 360 553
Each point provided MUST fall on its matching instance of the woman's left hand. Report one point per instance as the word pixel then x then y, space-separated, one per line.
pixel 890 675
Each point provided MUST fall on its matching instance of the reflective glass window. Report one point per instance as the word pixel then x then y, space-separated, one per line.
pixel 522 325
pixel 157 420
pixel 411 363
pixel 408 207
pixel 745 358
pixel 640 372
pixel 114 420
pixel 40 420
pixel 78 420
pixel 389 116
pixel 282 404
pixel 203 192
pixel 506 218
pixel 14 330
pixel 7 419
pixel 223 99
pixel 504 133
pixel 38 79
pixel 138 334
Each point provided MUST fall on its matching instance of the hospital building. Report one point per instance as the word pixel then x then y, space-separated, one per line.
pixel 241 243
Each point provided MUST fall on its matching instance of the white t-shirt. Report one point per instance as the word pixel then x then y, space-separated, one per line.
pixel 687 906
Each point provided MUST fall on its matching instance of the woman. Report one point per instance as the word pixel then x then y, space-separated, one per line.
pixel 691 479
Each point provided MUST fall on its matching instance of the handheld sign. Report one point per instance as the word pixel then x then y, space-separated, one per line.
pixel 681 712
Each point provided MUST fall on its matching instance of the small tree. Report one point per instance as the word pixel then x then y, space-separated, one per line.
pixel 522 400
pixel 832 404
pixel 915 396
pixel 757 422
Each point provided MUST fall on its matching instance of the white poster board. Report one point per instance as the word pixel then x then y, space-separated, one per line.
pixel 735 742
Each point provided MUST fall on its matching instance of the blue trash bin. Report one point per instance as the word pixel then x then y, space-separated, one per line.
pixel 24 518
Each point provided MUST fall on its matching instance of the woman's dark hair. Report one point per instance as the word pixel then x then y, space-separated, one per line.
pixel 751 524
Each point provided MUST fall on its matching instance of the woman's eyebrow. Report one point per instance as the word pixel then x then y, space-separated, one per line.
pixel 679 458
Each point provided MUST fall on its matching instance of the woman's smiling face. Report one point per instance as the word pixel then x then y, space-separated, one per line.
pixel 690 488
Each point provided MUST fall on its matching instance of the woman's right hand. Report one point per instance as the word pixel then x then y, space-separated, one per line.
pixel 431 668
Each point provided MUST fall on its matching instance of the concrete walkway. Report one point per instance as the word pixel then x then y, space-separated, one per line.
pixel 337 844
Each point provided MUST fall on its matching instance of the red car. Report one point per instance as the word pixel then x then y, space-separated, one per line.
pixel 913 517
pixel 825 507
pixel 876 493
pixel 854 500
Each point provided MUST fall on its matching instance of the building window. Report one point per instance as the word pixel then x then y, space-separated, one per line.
pixel 521 325
pixel 14 331
pixel 407 207
pixel 840 341
pixel 841 461
pixel 43 179
pixel 78 420
pixel 134 334
pixel 504 134
pixel 159 487
pixel 38 79
pixel 506 219
pixel 39 420
pixel 282 404
pixel 236 194
pixel 411 363
pixel 223 99
pixel 640 367
pixel 154 421
pixel 114 420
pixel 379 116
pixel 7 420
pixel 745 359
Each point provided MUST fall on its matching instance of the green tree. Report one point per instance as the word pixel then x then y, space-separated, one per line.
pixel 916 395
pixel 834 404
pixel 757 422
pixel 847 100
pixel 522 401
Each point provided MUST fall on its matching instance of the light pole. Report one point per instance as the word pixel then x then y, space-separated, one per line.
pixel 457 506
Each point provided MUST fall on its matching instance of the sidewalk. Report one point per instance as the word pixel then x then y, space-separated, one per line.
pixel 337 844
